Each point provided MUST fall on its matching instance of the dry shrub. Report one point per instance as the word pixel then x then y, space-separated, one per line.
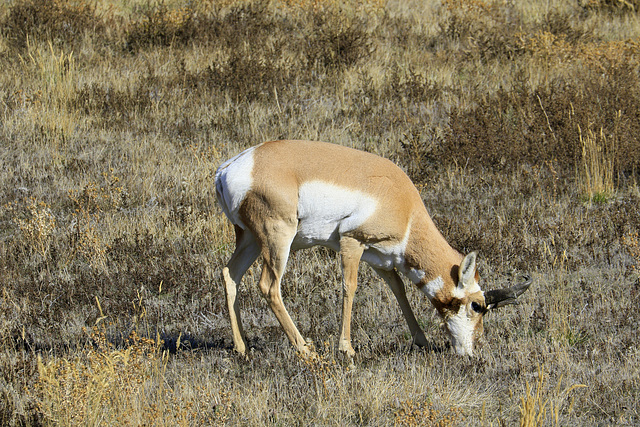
pixel 60 21
pixel 324 373
pixel 36 224
pixel 513 126
pixel 58 245
pixel 161 26
pixel 614 6
pixel 262 51
pixel 410 86
pixel 412 414
pixel 481 29
pixel 589 84
pixel 251 22
pixel 563 49
pixel 339 38
pixel 112 107
pixel 250 76
pixel 85 242
pixel 518 125
pixel 329 34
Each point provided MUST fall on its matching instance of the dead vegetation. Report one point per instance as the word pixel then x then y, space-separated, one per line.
pixel 519 121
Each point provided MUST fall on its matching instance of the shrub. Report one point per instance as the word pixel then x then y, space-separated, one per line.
pixel 614 6
pixel 59 21
pixel 337 38
pixel 521 126
pixel 161 26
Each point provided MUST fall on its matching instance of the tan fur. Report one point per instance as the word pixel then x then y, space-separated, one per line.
pixel 269 212
pixel 300 161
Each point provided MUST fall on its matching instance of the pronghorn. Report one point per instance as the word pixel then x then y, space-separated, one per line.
pixel 288 195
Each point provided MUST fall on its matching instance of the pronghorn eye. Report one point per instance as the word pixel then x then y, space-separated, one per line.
pixel 476 307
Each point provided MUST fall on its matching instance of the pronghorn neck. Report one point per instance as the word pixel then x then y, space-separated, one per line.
pixel 429 252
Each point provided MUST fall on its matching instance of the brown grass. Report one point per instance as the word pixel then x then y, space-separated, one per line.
pixel 508 116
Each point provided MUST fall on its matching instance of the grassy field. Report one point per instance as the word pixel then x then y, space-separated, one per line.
pixel 518 121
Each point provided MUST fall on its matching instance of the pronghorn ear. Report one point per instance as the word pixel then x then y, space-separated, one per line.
pixel 467 270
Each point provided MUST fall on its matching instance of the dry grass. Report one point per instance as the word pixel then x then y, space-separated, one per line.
pixel 128 384
pixel 598 167
pixel 536 409
pixel 507 115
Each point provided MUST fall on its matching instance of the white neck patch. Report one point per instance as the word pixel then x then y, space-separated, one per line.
pixel 433 287
pixel 415 275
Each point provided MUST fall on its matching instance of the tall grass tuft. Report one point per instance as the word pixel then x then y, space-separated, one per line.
pixel 542 407
pixel 102 382
pixel 55 80
pixel 598 164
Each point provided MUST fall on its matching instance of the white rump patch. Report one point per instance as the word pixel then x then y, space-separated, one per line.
pixel 325 211
pixel 233 180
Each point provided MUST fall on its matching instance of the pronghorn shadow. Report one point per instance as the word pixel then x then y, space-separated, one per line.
pixel 186 342
pixel 180 341
pixel 167 342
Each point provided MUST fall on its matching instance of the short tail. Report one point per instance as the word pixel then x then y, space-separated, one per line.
pixel 220 191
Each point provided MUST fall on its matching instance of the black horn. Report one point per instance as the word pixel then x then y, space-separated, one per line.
pixel 501 297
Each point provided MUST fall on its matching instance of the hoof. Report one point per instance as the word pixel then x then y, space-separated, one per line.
pixel 308 351
pixel 421 341
pixel 346 349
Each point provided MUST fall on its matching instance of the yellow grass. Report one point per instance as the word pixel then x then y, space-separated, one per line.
pixel 540 406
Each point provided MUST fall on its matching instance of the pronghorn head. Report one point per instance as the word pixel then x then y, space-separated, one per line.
pixel 462 303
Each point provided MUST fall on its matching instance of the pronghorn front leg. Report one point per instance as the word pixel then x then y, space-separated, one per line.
pixel 397 287
pixel 350 253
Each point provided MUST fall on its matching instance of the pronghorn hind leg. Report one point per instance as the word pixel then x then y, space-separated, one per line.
pixel 278 235
pixel 246 252
pixel 397 287
pixel 350 253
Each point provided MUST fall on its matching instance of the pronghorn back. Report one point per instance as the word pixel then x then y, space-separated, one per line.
pixel 304 162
